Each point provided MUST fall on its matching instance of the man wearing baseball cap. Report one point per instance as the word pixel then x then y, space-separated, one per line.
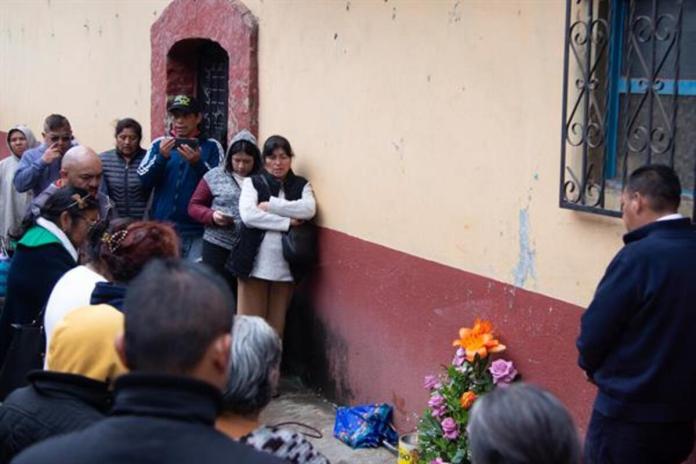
pixel 174 165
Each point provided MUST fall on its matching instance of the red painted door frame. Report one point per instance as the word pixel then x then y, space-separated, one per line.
pixel 230 24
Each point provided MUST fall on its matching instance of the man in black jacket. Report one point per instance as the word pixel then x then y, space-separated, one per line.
pixel 637 338
pixel 74 391
pixel 178 318
pixel 52 404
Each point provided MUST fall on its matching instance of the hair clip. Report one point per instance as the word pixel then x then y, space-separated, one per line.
pixel 113 241
pixel 80 202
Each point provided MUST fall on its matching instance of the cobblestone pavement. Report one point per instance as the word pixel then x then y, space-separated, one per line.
pixel 310 409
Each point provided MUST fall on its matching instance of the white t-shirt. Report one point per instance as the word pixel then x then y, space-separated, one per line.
pixel 72 291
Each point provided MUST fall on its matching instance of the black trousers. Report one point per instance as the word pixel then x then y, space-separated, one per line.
pixel 216 256
pixel 613 441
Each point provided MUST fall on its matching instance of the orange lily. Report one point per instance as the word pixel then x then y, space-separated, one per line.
pixel 478 340
pixel 467 399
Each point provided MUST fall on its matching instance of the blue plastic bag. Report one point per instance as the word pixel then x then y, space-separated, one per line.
pixel 365 426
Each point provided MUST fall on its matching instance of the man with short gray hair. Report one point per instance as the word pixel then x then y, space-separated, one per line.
pixel 523 424
pixel 256 353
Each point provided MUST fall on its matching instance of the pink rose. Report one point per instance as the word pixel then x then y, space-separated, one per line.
pixel 430 382
pixel 503 372
pixel 437 405
pixel 438 461
pixel 459 357
pixel 450 429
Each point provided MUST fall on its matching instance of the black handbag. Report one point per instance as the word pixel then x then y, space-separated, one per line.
pixel 25 353
pixel 300 245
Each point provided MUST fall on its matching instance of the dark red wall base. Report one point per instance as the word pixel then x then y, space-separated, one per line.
pixel 4 149
pixel 374 321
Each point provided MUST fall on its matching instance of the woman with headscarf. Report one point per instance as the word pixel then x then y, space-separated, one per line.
pixel 13 205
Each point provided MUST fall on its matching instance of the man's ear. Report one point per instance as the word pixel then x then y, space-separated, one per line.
pixel 642 203
pixel 221 353
pixel 120 345
pixel 199 118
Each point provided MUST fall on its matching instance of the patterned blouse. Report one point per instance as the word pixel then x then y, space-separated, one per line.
pixel 284 444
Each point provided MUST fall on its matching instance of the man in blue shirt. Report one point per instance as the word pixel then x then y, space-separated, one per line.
pixel 637 340
pixel 41 165
pixel 174 165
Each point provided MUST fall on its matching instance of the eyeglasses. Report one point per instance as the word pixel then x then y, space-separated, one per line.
pixel 63 138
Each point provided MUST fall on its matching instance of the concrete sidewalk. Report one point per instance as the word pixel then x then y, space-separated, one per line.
pixel 306 407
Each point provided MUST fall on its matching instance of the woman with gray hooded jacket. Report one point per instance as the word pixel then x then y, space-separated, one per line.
pixel 13 205
pixel 215 202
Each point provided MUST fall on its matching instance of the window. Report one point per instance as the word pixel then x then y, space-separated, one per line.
pixel 629 98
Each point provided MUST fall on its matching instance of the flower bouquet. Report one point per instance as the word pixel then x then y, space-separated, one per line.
pixel 442 435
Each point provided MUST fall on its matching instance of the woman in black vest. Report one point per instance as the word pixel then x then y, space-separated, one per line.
pixel 270 203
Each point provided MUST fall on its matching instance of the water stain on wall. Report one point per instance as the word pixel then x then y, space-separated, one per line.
pixel 525 267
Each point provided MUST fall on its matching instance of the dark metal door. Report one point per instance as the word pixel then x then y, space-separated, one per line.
pixel 213 66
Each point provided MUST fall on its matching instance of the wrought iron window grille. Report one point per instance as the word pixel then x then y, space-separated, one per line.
pixel 629 98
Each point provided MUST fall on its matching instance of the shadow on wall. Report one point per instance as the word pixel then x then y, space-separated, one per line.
pixel 311 351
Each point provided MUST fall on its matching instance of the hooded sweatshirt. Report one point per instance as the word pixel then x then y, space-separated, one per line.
pixel 13 205
pixel 219 190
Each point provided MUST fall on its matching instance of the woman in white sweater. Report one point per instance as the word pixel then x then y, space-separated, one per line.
pixel 270 203
pixel 74 289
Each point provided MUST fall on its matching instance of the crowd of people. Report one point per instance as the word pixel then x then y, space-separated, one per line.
pixel 145 355
pixel 85 231
pixel 228 210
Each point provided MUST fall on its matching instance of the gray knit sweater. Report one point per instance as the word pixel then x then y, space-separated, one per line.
pixel 225 189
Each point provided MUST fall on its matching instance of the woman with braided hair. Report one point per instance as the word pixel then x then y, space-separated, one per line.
pixel 75 288
pixel 125 252
pixel 116 253
pixel 46 251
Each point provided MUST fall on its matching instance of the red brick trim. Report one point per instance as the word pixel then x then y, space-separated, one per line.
pixel 230 24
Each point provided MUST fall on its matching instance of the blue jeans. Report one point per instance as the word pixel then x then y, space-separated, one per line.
pixel 192 248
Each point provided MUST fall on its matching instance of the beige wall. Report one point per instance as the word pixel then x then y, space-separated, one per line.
pixel 88 60
pixel 431 127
